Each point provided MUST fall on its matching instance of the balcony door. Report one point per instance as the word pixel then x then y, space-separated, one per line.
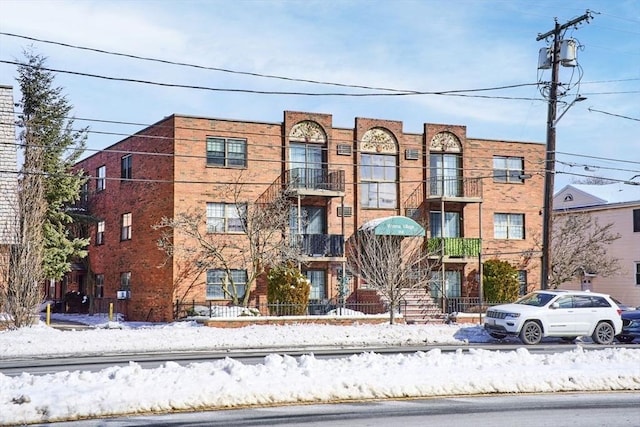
pixel 307 164
pixel 445 172
pixel 451 224
pixel 450 286
pixel 312 232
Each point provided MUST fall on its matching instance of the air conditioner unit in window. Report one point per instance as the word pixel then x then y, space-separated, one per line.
pixel 412 154
pixel 344 150
pixel 345 211
pixel 123 294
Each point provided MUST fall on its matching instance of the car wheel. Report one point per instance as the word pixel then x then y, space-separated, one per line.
pixel 603 334
pixel 625 338
pixel 531 333
pixel 568 339
pixel 497 336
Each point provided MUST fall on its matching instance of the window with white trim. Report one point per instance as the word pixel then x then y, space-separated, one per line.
pixel 221 286
pixel 230 152
pixel 508 226
pixel 636 220
pixel 101 178
pixel 125 228
pixel 318 280
pixel 378 175
pixel 100 233
pixel 225 217
pixel 508 169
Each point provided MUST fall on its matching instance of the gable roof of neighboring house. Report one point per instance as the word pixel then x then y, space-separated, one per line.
pixel 578 196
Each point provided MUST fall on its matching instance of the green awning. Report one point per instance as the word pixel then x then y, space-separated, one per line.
pixel 394 226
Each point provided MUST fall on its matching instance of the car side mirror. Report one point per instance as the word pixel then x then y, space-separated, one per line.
pixel 555 305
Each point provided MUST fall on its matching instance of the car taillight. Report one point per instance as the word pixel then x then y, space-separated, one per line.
pixel 619 312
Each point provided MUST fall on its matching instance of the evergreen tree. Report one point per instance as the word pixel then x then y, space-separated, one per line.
pixel 48 130
pixel 500 281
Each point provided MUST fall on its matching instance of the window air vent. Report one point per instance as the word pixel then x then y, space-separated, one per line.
pixel 344 150
pixel 412 154
pixel 345 211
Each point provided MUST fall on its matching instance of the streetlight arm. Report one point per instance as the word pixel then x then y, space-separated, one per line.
pixel 578 99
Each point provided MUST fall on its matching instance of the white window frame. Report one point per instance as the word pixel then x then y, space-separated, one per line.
pixel 100 233
pixel 225 217
pixel 379 181
pixel 508 169
pixel 214 288
pixel 101 178
pixel 126 226
pixel 233 152
pixel 508 226
pixel 318 280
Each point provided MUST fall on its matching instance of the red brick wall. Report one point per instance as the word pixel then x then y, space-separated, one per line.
pixel 149 197
pixel 183 183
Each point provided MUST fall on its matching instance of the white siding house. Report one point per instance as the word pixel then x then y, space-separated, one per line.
pixel 617 204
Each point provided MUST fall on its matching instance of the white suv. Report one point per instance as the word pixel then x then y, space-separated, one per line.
pixel 555 313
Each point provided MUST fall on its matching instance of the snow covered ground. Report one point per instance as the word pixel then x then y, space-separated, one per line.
pixel 229 383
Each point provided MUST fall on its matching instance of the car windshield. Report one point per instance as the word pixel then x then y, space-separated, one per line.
pixel 536 299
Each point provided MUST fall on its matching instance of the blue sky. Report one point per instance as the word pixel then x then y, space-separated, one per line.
pixel 429 45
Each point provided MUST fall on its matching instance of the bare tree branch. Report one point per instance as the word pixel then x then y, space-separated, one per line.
pixel 579 245
pixel 392 265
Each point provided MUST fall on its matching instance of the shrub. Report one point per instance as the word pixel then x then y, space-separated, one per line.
pixel 287 291
pixel 500 281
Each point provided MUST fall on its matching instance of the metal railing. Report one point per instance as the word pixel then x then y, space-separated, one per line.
pixel 323 307
pixel 455 246
pixel 454 187
pixel 321 245
pixel 314 179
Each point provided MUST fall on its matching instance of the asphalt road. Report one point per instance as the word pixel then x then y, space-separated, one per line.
pixel 531 410
pixel 93 363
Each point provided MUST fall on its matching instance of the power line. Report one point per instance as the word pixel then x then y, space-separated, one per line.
pixel 205 182
pixel 201 67
pixel 599 158
pixel 239 133
pixel 269 76
pixel 265 92
pixel 615 115
pixel 597 167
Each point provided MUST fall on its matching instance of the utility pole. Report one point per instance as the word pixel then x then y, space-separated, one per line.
pixel 550 163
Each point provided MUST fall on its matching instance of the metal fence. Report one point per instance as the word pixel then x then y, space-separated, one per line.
pixel 312 308
pixel 465 304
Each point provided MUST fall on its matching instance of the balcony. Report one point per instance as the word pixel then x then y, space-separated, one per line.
pixel 454 247
pixel 319 246
pixel 314 182
pixel 455 189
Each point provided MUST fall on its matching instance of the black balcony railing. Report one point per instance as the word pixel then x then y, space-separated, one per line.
pixel 321 245
pixel 314 179
pixel 454 187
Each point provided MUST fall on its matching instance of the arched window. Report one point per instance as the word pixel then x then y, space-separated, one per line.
pixel 445 165
pixel 307 153
pixel 378 170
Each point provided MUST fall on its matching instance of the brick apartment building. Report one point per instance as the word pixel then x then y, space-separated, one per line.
pixel 481 196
